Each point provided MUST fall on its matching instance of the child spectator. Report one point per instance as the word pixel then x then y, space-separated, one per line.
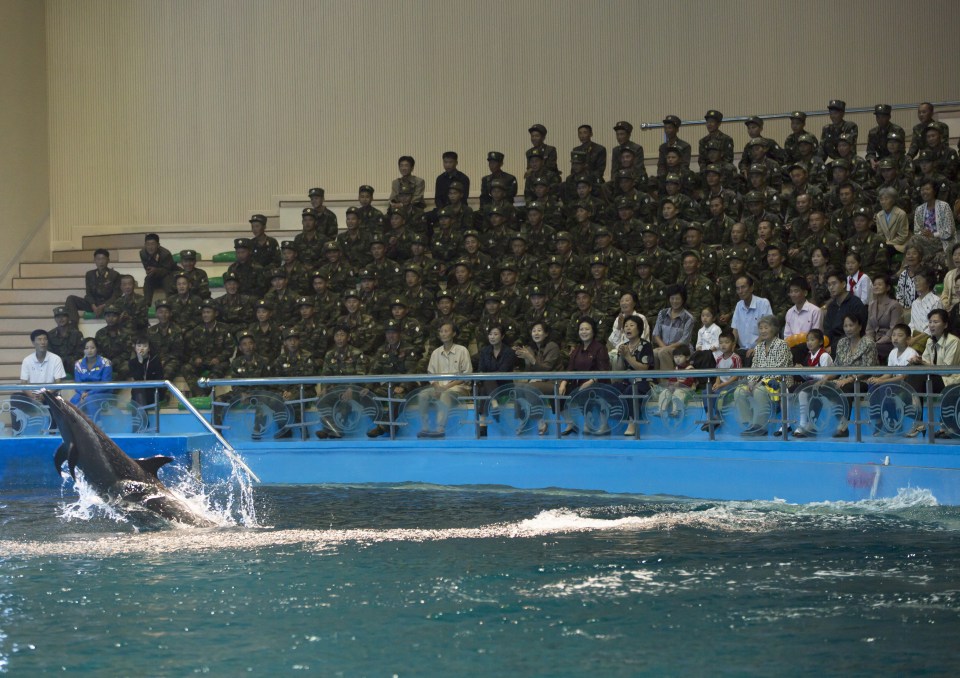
pixel 816 357
pixel 858 282
pixel 674 396
pixel 708 336
pixel 900 356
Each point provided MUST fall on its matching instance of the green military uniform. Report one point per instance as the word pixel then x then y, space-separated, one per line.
pixel 725 141
pixel 167 343
pixel 411 329
pixel 266 337
pixel 327 307
pixel 482 267
pixel 355 245
pixel 133 312
pixel 573 325
pixel 264 250
pixel 340 275
pixel 664 263
pixel 825 239
pixel 345 362
pixel 467 297
pixel 871 247
pixel 831 132
pixel 66 342
pixel 298 275
pixel 254 367
pixel 185 310
pixel 651 293
pixel 283 302
pixel 115 344
pixel 487 320
pixel 775 289
pixel 560 297
pixel 877 137
pixel 363 328
pixel 209 344
pixel 632 146
pixel 701 292
pixel 236 310
pixel 249 274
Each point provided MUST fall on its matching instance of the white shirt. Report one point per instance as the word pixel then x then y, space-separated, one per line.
pixel 454 361
pixel 860 286
pixel 809 317
pixel 898 359
pixel 745 319
pixel 920 309
pixel 33 371
pixel 708 339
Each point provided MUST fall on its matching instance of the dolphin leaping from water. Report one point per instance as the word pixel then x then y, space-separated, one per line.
pixel 109 471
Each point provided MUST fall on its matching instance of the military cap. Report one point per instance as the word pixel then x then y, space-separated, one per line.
pixel 536 291
pixel 842 163
pixel 587 179
pixel 737 253
pixel 758 168
pixel 578 156
pixel 397 301
pixel 414 267
pixel 366 188
pixel 626 149
pixel 263 303
pixel 366 274
pixel 230 275
pixel 925 155
pixel 807 138
pixel 305 301
pixel 258 218
pixel 624 125
pixel 538 128
pixel 245 334
pixel 846 137
pixel 753 120
pixel 603 230
pixel 649 228
pixel 377 238
pixel 690 253
pixel 291 332
pixel 796 165
pixel 672 178
pixel 597 260
pixel 308 212
pixel 672 120
pixel 353 210
pixel 519 235
pixel 351 294
pixel 712 144
pixel 862 212
pixel 672 199
pixel 241 243
pixel 798 115
pixel 160 303
pixel 445 212
pixel 499 210
pixel 886 163
pixel 757 141
pixel 316 193
pixel 417 239
pixel 210 303
pixel 672 149
pixel 693 225
pixel 278 273
pixel 289 245
pixel 445 294
pixel 188 254
pixel 391 326
pixel 536 152
pixel 644 260
pixel 406 189
pixel 534 206
pixel 935 126
pixel 563 235
pixel 583 289
pixel 754 196
pixel 495 156
pixel 509 265
pixel 456 186
pixel 497 182
pixel 342 327
pixel 713 115
pixel 895 135
pixel 712 167
pixel 625 202
pixel 471 233
pixel 882 109
pixel 837 105
pixel 492 296
pixel 331 246
pixel 554 260
pixel 463 262
pixel 181 274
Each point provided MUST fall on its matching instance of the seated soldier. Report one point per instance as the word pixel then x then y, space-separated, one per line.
pixel 248 364
pixel 199 281
pixel 293 361
pixel 354 243
pixel 185 305
pixel 115 343
pixel 394 356
pixel 266 333
pixel 102 287
pixel 314 335
pixel 371 219
pixel 209 347
pixel 362 326
pixel 65 340
pixel 249 273
pixel 298 277
pixel 236 309
pixel 327 227
pixel 167 341
pixel 342 360
pixel 282 300
pixel 159 265
pixel 133 307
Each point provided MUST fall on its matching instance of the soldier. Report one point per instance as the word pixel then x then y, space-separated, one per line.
pixel 185 305
pixel 326 221
pixel 159 266
pixel 446 179
pixel 860 171
pixel 538 169
pixel 626 229
pixel 665 266
pixel 839 176
pixel 480 264
pixel 623 130
pixel 897 156
pixel 430 270
pixel 559 289
pixel 727 296
pixel 199 281
pixel 775 281
pixel 494 315
pixel 806 155
pixel 309 241
pixel 314 336
pixel 418 298
pixel 709 256
pixel 841 220
pixel 927 171
pixel 623 183
pixel 133 308
pixel 114 343
pixel 461 213
pixel 65 340
pixel 496 240
pixel 877 137
pixel 539 312
pixel 739 245
pixel 249 273
pixel 344 359
pixel 446 313
pixel 553 210
pixel 539 235
pixel 508 181
pixel 410 328
pixel 513 297
pixel 701 290
pixel 798 121
pixel 584 308
pixel 265 331
pixel 447 241
pixel 325 302
pixel 573 267
pixel 869 246
pixel 294 361
pixel 614 258
pixel 944 158
pixel 389 275
pixel 717 225
pixel 604 292
pixel 799 185
pixel 394 356
pixel 649 290
pixel 596 155
pixel 671 125
pixel 498 194
pixel 338 272
pixel 714 186
pixel 209 347
pixel 756 211
pixel 372 300
pixel 890 177
pixel 413 215
pixel 362 326
pixel 713 120
pixel 397 240
pixel 538 133
pixel 528 266
pixel 282 299
pixel 353 243
pixel 925 116
pixel 819 237
pixel 836 127
pixel 371 219
pixel 754 125
pixel 167 341
pixel 768 171
pixel 248 364
pixel 467 295
pixel 298 277
pixel 102 287
pixel 674 187
pixel 583 229
pixel 264 249
pixel 671 225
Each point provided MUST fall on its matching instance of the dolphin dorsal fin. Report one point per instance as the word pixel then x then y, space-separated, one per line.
pixel 152 464
pixel 64 452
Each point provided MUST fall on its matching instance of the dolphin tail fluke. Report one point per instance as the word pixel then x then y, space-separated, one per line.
pixel 152 464
pixel 66 452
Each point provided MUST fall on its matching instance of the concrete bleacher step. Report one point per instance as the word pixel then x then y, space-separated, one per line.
pixel 11 340
pixel 78 270
pixel 69 285
pixel 178 240
pixel 50 297
pixel 40 310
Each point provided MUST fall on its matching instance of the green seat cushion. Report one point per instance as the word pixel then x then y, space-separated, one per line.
pixel 225 257
pixel 201 403
pixel 216 281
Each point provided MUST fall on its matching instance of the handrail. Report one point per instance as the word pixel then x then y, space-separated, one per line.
pixel 156 384
pixel 644 126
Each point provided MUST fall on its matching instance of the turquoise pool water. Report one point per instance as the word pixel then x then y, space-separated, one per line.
pixel 421 580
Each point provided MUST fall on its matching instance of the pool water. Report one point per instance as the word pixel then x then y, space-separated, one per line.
pixel 426 580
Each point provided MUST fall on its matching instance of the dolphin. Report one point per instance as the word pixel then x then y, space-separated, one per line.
pixel 112 474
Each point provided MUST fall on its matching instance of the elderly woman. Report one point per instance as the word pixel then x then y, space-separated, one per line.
pixel 906 290
pixel 674 327
pixel 756 394
pixel 539 355
pixel 892 223
pixel 933 225
pixel 853 350
pixel 629 305
pixel 587 356
pixel 91 367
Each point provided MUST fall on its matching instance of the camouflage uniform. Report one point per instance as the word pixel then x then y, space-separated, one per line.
pixel 167 343
pixel 265 252
pixel 345 362
pixel 872 248
pixel 284 304
pixel 236 311
pixel 315 338
pixel 250 275
pixel 775 289
pixel 186 311
pixel 67 344
pixel 363 330
pixel 831 133
pixel 267 339
pixel 133 312
pixel 207 343
pixel 310 247
pixel 116 345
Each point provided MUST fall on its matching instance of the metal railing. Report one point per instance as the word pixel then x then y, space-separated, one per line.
pixel 644 126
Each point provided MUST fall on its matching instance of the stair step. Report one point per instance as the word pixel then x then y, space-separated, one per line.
pixel 66 285
pixel 178 240
pixel 78 270
pixel 16 341
pixel 122 255
pixel 25 310
pixel 50 297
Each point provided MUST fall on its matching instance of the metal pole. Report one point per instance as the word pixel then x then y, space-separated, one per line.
pixel 856 408
pixel 931 434
pixel 393 434
pixel 708 393
pixel 303 418
pixel 556 409
pixel 784 410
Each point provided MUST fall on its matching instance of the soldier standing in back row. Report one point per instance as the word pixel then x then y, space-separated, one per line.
pixel 596 155
pixel 671 126
pixel 714 119
pixel 495 163
pixel 623 130
pixel 264 249
pixel 832 131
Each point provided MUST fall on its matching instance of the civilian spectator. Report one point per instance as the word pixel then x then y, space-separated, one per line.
pixel 91 367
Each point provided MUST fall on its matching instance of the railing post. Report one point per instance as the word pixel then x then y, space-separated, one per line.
pixel 393 434
pixel 634 410
pixel 856 408
pixel 556 409
pixel 784 409
pixel 476 410
pixel 710 408
pixel 928 397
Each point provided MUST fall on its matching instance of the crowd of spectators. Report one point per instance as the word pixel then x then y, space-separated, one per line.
pixel 805 231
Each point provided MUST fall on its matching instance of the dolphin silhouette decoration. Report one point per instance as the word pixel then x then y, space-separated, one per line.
pixel 110 472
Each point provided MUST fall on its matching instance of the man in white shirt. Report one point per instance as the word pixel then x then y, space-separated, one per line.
pixel 41 366
pixel 449 358
pixel 748 311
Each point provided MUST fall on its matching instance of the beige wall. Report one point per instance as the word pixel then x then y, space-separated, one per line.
pixel 203 111
pixel 24 169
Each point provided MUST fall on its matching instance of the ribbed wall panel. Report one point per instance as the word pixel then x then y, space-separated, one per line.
pixel 199 111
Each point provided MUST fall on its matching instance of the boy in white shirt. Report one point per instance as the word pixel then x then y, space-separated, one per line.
pixel 900 356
